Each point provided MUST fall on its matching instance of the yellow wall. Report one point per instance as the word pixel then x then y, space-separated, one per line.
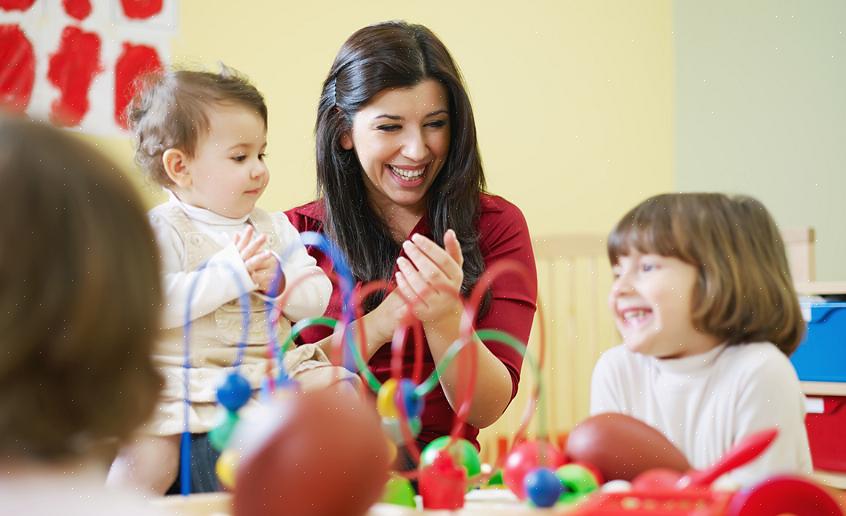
pixel 573 99
pixel 573 102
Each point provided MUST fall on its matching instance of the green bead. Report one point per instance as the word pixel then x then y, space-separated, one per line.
pixel 391 426
pixel 578 482
pixel 398 491
pixel 496 479
pixel 220 435
pixel 462 452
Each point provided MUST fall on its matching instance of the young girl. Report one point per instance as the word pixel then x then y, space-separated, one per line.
pixel 76 331
pixel 202 136
pixel 706 307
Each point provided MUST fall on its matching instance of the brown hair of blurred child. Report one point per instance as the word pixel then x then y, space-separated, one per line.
pixel 80 297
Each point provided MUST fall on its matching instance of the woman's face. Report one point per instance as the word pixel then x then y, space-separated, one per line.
pixel 401 139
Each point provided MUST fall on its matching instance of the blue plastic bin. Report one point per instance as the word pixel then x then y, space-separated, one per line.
pixel 821 357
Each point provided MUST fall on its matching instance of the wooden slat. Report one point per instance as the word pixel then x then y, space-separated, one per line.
pixel 573 281
pixel 800 245
pixel 798 234
pixel 810 288
pixel 559 246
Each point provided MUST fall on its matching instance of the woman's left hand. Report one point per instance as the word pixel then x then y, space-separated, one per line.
pixel 422 276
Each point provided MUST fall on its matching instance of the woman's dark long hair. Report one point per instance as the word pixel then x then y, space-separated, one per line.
pixel 395 55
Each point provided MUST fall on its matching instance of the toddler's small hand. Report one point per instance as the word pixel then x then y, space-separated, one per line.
pixel 249 244
pixel 261 264
pixel 264 268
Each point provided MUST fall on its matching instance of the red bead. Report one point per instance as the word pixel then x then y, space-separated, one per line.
pixel 526 457
pixel 442 484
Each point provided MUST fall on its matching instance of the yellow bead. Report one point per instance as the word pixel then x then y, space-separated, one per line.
pixel 227 465
pixel 386 400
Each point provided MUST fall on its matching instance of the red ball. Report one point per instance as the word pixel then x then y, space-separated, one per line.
pixel 323 453
pixel 658 479
pixel 526 457
pixel 784 494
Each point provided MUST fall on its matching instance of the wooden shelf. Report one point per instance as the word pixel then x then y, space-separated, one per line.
pixel 824 388
pixel 833 479
pixel 810 288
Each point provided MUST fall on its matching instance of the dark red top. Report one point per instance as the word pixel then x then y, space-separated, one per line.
pixel 503 234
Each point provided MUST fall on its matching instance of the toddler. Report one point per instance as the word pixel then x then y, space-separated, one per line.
pixel 202 136
pixel 79 307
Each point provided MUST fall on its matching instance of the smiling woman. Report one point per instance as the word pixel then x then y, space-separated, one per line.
pixel 403 195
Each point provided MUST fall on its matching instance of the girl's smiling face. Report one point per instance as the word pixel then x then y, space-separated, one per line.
pixel 651 299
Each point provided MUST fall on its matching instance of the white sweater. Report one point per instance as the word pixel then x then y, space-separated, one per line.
pixel 216 286
pixel 706 403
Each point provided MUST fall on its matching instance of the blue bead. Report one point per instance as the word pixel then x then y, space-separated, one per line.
pixel 413 402
pixel 542 487
pixel 234 392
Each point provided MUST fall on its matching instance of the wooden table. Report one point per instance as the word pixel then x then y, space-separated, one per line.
pixel 492 502
pixel 478 503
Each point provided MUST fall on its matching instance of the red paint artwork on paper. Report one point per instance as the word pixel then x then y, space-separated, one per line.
pixel 17 75
pixel 134 61
pixel 16 5
pixel 141 9
pixel 72 70
pixel 50 62
pixel 79 9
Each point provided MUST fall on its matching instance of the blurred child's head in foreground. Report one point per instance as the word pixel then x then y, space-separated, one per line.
pixel 80 298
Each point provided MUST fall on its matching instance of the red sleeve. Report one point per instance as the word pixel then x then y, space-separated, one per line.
pixel 309 218
pixel 303 218
pixel 504 235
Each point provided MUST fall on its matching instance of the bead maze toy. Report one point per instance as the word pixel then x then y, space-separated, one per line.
pixel 265 467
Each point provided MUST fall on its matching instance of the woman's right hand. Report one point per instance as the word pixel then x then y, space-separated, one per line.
pixel 379 325
pixel 383 320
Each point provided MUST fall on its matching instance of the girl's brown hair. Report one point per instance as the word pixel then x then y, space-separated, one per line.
pixel 79 309
pixel 744 292
pixel 170 112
